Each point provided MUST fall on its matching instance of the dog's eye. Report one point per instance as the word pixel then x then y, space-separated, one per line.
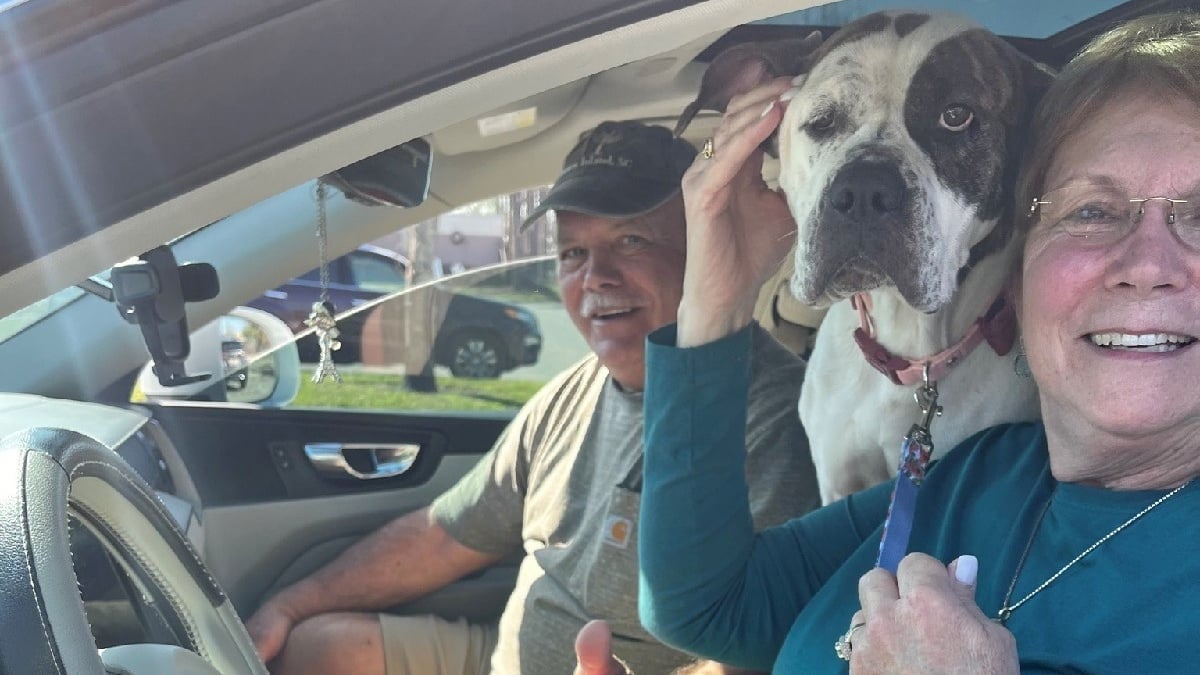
pixel 822 123
pixel 956 118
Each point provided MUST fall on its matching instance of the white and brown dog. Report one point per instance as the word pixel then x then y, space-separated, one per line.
pixel 898 154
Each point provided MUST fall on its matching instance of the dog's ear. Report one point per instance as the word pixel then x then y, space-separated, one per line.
pixel 745 66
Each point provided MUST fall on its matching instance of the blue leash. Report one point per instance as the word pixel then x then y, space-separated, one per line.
pixel 915 451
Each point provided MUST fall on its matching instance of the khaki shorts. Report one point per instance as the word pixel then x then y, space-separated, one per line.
pixel 430 645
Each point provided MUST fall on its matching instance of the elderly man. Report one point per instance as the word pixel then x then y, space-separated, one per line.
pixel 563 482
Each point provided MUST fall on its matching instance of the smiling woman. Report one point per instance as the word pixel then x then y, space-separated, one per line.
pixel 1109 339
pixel 1104 485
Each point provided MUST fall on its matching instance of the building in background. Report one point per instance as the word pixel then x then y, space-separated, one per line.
pixel 484 233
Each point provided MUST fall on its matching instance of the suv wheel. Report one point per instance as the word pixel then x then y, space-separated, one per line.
pixel 475 355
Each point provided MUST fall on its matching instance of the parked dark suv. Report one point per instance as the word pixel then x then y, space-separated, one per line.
pixel 477 338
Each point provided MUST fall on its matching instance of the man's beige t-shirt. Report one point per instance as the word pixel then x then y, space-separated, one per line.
pixel 564 481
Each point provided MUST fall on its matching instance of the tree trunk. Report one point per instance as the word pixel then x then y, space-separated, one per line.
pixel 420 310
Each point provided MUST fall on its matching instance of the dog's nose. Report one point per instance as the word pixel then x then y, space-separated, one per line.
pixel 866 189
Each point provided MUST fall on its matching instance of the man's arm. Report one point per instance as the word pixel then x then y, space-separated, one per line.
pixel 409 557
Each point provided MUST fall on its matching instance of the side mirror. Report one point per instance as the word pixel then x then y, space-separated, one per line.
pixel 255 354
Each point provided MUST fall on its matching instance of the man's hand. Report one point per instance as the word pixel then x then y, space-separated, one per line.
pixel 925 620
pixel 593 651
pixel 269 628
pixel 739 229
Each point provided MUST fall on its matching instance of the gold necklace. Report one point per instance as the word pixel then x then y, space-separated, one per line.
pixel 1006 609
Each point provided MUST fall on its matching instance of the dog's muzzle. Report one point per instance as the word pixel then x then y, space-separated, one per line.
pixel 864 233
pixel 870 230
pixel 867 191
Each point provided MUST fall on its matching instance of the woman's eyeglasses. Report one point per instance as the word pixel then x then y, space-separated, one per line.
pixel 1104 215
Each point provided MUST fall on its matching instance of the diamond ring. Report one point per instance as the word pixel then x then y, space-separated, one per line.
pixel 843 646
pixel 707 151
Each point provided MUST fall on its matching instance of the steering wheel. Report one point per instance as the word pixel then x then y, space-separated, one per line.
pixel 46 474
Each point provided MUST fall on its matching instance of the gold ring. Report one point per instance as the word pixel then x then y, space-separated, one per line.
pixel 843 646
pixel 707 151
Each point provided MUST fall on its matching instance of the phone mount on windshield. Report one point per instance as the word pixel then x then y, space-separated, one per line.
pixel 151 291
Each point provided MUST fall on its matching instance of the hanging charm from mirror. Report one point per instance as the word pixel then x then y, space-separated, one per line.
pixel 321 318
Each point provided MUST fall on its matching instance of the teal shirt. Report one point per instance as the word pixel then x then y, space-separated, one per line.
pixel 780 599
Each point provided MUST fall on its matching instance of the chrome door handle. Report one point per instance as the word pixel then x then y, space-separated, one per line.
pixel 361 461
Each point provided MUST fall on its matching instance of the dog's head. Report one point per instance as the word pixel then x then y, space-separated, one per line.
pixel 897 154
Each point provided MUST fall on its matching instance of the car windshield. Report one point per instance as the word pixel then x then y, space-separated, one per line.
pixel 27 316
pixel 461 298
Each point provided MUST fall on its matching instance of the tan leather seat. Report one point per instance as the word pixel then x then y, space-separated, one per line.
pixel 792 323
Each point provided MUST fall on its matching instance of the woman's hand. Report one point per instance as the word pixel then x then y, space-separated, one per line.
pixel 739 230
pixel 925 620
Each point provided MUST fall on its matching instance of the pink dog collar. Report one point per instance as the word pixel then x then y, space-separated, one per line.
pixel 998 326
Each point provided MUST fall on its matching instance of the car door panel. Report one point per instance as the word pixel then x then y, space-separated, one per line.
pixel 269 517
pixel 477 597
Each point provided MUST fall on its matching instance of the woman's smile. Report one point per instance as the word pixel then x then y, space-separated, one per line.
pixel 1141 342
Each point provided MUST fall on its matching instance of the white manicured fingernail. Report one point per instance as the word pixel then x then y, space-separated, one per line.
pixel 767 110
pixel 789 94
pixel 966 570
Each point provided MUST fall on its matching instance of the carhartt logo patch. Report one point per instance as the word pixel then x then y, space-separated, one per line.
pixel 617 531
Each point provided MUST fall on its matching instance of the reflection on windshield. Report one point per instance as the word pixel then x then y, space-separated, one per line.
pixel 27 316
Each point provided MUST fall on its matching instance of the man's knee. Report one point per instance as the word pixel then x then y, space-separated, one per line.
pixel 332 644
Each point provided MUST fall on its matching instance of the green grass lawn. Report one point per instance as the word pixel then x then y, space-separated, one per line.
pixel 383 391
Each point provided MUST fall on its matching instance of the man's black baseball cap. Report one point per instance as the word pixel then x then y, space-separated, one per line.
pixel 618 170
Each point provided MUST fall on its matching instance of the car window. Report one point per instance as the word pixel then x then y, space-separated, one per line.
pixel 478 326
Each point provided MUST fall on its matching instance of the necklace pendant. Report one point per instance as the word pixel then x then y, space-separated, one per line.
pixel 1003 615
